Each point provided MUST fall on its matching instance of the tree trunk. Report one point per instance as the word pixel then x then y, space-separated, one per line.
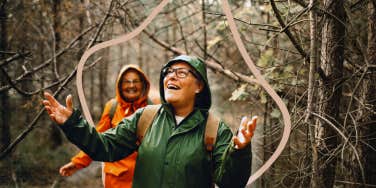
pixel 27 83
pixel 311 93
pixel 103 78
pixel 55 136
pixel 5 131
pixel 205 44
pixel 122 60
pixel 265 154
pixel 56 4
pixel 140 54
pixel 369 90
pixel 81 24
pixel 5 175
pixel 332 56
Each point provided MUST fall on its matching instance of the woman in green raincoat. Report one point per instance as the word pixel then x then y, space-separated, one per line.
pixel 172 152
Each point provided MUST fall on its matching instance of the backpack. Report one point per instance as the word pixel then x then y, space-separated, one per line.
pixel 149 113
pixel 113 109
pixel 114 105
pixel 148 116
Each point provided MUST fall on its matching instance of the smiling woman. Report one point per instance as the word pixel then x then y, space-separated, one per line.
pixel 172 152
pixel 132 89
pixel 132 85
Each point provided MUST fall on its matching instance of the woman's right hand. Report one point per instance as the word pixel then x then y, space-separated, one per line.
pixel 68 169
pixel 57 112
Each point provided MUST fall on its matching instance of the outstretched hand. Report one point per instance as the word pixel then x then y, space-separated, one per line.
pixel 245 133
pixel 57 112
pixel 68 169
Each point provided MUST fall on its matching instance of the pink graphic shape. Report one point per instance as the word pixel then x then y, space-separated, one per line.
pixel 268 89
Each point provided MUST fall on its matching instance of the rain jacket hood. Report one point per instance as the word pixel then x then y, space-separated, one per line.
pixel 203 99
pixel 146 87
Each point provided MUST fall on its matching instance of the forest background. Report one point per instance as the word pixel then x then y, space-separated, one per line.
pixel 318 55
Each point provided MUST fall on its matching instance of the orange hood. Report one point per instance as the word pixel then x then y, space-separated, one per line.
pixel 142 101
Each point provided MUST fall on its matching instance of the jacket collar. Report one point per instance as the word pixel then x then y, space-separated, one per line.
pixel 193 120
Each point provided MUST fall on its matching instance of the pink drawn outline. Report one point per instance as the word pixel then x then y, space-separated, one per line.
pixel 268 89
pixel 105 44
pixel 243 51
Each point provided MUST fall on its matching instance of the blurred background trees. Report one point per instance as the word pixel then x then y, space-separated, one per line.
pixel 319 56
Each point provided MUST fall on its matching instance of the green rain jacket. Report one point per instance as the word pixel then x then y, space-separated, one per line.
pixel 170 155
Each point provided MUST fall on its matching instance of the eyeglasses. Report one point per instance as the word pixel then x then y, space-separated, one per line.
pixel 130 82
pixel 179 72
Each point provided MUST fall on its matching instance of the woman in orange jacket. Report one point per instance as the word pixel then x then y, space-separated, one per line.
pixel 132 89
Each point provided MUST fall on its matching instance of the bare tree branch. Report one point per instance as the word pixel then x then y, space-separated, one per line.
pixel 313 59
pixel 46 63
pixel 242 21
pixel 287 31
pixel 100 28
pixel 13 85
pixel 211 62
pixel 339 132
pixel 31 126
pixel 87 8
pixel 355 184
pixel 54 60
pixel 16 56
pixel 318 10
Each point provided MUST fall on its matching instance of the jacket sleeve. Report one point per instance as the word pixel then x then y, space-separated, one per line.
pixel 82 160
pixel 232 167
pixel 111 145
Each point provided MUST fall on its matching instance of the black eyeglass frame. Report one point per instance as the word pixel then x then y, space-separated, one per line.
pixel 175 70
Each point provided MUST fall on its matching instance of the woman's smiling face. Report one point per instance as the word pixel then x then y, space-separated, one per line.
pixel 180 84
pixel 131 86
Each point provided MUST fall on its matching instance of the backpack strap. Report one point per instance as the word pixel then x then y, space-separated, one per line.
pixel 148 116
pixel 146 120
pixel 113 108
pixel 211 131
pixel 149 101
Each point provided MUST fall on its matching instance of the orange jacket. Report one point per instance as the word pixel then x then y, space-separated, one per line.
pixel 119 173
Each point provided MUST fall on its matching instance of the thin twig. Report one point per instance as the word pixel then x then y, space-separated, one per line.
pixel 182 35
pixel 12 84
pixel 287 31
pixel 354 183
pixel 242 21
pixel 46 63
pixel 211 63
pixel 54 60
pixel 16 56
pixel 344 138
pixel 31 126
pixel 96 35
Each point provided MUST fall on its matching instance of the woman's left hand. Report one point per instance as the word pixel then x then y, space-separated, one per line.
pixel 245 132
